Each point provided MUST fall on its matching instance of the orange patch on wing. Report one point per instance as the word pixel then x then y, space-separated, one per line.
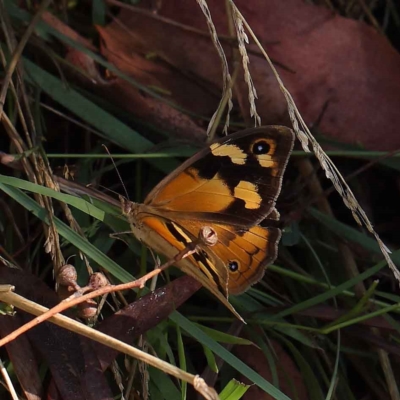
pixel 250 251
pixel 258 236
pixel 247 191
pixel 184 183
pixel 235 153
pixel 255 241
pixel 188 192
pixel 250 268
pixel 158 225
pixel 199 202
pixel 208 196
pixel 209 269
pixel 267 160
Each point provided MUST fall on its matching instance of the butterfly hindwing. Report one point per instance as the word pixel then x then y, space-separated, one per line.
pixel 168 238
pixel 247 254
pixel 244 253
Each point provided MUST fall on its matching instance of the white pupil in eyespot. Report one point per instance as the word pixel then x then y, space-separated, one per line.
pixel 233 266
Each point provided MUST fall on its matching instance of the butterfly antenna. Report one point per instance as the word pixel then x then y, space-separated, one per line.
pixel 116 170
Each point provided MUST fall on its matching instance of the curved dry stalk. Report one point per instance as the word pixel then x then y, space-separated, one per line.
pixel 304 135
pixel 18 52
pixel 7 296
pixel 7 381
pixel 242 40
pixel 226 77
pixel 79 296
pixel 36 167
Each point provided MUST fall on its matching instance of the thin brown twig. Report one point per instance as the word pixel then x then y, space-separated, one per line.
pixel 78 297
pixel 18 52
pixel 8 296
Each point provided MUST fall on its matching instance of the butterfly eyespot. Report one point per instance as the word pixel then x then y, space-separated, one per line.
pixel 233 266
pixel 261 147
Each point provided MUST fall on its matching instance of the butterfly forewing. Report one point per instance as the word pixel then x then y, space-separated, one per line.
pixel 235 180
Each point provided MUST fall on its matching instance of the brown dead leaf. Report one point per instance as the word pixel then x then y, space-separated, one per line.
pixel 23 358
pixel 145 313
pixel 151 69
pixel 333 61
pixel 61 349
pixel 76 362
pixel 170 84
pixel 158 76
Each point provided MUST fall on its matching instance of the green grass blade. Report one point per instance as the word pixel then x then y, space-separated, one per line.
pixel 110 127
pixel 233 361
pixel 67 233
pixel 234 390
pixel 349 233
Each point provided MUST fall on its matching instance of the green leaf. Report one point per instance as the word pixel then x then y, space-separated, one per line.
pixel 74 201
pixel 99 12
pixel 234 390
pixel 211 362
pixel 349 233
pixel 164 384
pixel 228 357
pixel 223 337
pixel 182 360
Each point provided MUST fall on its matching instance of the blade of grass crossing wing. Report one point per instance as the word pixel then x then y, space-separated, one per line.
pixel 81 243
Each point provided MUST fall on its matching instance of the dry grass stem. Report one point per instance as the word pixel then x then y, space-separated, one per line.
pixel 78 297
pixel 304 135
pixel 8 382
pixel 7 296
pixel 226 77
pixel 242 40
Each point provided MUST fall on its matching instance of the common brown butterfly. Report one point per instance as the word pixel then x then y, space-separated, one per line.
pixel 232 187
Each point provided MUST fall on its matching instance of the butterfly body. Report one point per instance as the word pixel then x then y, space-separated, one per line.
pixel 230 186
